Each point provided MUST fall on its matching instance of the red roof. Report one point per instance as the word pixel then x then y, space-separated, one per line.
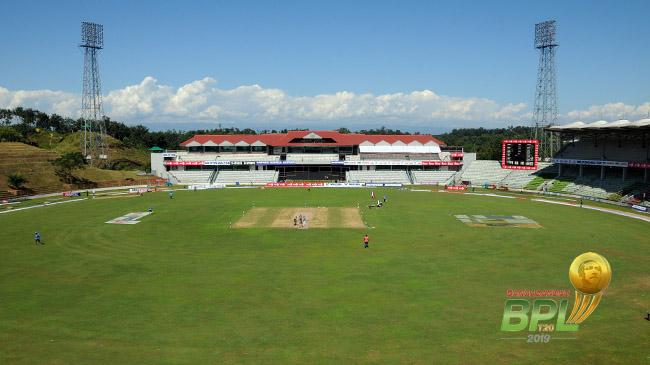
pixel 284 139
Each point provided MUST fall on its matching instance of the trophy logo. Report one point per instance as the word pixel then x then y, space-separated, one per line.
pixel 590 275
pixel 545 311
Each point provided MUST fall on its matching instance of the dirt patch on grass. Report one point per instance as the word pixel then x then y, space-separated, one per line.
pixel 315 218
pixel 251 218
pixel 351 218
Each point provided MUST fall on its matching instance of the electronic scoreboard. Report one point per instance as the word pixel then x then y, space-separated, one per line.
pixel 519 154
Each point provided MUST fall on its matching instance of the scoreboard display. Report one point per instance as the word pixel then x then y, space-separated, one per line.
pixel 519 154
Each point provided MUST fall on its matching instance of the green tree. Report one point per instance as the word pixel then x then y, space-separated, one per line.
pixel 485 142
pixel 10 134
pixel 66 164
pixel 16 181
pixel 6 115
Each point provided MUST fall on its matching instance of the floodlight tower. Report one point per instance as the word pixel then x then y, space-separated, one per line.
pixel 94 146
pixel 545 113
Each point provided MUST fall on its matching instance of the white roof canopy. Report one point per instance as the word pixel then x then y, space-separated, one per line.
pixel 621 124
pixel 399 149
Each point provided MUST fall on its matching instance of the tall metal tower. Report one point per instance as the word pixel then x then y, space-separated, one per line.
pixel 545 113
pixel 94 144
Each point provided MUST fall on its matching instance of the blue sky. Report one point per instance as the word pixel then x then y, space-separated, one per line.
pixel 266 62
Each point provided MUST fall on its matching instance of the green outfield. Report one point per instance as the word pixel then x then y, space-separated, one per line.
pixel 184 287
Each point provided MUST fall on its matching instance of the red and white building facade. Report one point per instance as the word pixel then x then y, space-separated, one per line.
pixel 309 155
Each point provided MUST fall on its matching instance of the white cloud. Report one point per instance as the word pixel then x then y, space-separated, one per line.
pixel 258 107
pixel 59 102
pixel 611 112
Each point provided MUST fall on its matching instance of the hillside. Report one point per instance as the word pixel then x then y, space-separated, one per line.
pixel 120 156
pixel 33 163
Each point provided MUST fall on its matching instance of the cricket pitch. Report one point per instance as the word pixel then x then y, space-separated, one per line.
pixel 339 217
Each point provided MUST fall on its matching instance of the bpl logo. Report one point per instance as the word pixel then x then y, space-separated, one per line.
pixel 590 274
pixel 542 310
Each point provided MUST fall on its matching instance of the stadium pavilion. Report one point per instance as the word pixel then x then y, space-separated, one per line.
pixel 309 155
pixel 605 150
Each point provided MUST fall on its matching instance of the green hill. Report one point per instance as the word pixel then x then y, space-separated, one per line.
pixel 120 157
pixel 34 164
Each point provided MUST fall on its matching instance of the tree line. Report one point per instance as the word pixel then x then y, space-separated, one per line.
pixel 485 142
pixel 16 125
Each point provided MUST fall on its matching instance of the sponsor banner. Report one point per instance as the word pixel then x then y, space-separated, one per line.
pixel 640 208
pixel 569 161
pixel 222 163
pixel 397 163
pixel 70 193
pixel 512 167
pixel 457 154
pixel 641 165
pixel 498 221
pixel 347 163
pixel 455 187
pixel 392 185
pixel 169 154
pixel 205 186
pixel 442 163
pixel 183 163
pixel 344 185
pixel 216 163
pixel 294 184
pixel 138 190
pixel 266 163
pixel 130 218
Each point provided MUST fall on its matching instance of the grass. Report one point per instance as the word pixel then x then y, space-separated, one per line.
pixel 560 183
pixel 535 183
pixel 95 174
pixel 117 151
pixel 182 288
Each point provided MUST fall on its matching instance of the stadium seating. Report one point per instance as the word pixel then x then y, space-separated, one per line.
pixel 232 177
pixel 481 172
pixel 191 177
pixel 378 176
pixel 605 150
pixel 592 185
pixel 636 191
pixel 432 177
pixel 518 179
